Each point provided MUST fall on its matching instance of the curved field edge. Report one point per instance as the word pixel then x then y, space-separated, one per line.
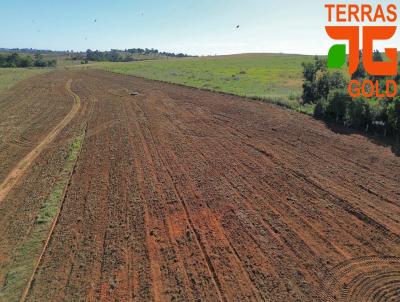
pixel 22 266
pixel 272 78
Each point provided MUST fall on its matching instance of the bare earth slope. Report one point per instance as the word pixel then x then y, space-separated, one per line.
pixel 186 195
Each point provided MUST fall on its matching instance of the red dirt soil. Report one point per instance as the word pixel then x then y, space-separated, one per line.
pixel 20 169
pixel 186 195
pixel 28 113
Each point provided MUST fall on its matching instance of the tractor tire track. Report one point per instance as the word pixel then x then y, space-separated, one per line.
pixel 186 195
pixel 77 103
pixel 22 167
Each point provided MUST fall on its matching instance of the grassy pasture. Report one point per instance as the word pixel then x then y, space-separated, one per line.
pixel 273 77
pixel 10 76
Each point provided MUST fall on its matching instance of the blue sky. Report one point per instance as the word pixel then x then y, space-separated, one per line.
pixel 200 27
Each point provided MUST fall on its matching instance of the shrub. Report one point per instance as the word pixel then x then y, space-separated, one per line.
pixel 394 116
pixel 52 63
pixel 309 92
pixel 359 113
pixel 320 108
pixel 25 62
pixel 40 63
pixel 338 102
pixel 318 81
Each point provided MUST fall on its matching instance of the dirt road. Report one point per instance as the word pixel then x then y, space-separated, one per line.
pixel 186 195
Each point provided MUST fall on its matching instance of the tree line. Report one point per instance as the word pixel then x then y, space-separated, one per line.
pixel 126 55
pixel 328 91
pixel 153 51
pixel 14 60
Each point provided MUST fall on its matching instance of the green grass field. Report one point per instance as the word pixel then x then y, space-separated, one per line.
pixel 274 77
pixel 11 76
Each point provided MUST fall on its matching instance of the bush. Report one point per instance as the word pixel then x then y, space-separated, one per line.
pixel 394 116
pixel 338 102
pixel 320 108
pixel 52 63
pixel 318 81
pixel 359 113
pixel 40 63
pixel 25 62
pixel 309 92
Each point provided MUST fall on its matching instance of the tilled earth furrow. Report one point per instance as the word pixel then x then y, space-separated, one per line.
pixel 186 195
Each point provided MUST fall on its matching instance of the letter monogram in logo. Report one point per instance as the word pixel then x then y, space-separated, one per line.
pixel 337 53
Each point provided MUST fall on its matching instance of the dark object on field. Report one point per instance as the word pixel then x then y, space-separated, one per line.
pixel 135 93
pixel 95 20
pixel 237 26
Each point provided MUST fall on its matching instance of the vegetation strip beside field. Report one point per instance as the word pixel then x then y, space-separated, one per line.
pixel 27 255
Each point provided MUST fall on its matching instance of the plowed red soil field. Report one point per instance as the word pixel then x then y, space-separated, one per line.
pixel 186 195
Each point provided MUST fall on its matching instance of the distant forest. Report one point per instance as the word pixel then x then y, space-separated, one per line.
pixel 15 60
pixel 14 57
pixel 127 55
